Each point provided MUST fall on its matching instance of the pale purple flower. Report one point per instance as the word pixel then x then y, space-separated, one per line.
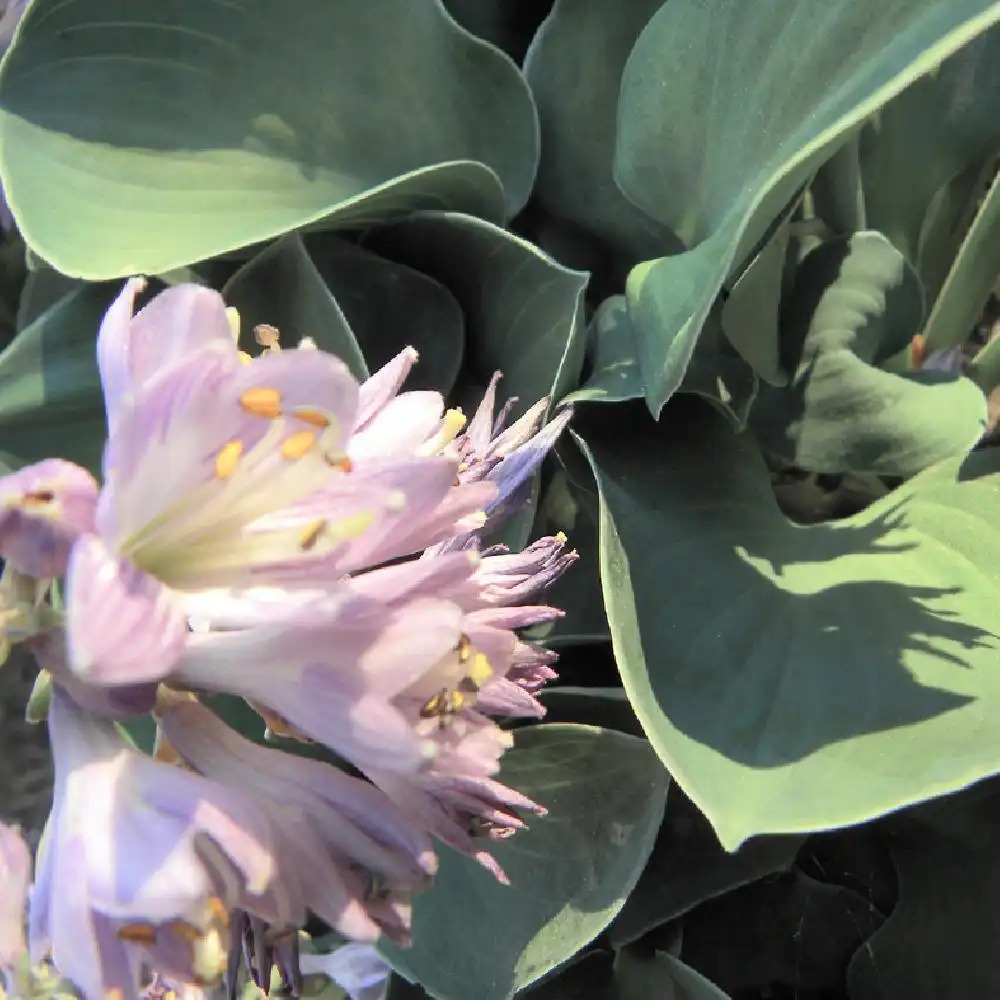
pixel 356 827
pixel 15 877
pixel 44 508
pixel 358 969
pixel 141 862
pixel 220 472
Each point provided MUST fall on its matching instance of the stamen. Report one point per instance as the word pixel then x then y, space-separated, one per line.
pixel 451 426
pixel 443 704
pixel 245 358
pixel 481 670
pixel 314 417
pixel 137 933
pixel 38 498
pixel 464 648
pixel 218 910
pixel 263 401
pixel 184 930
pixel 342 462
pixel 309 537
pixel 267 336
pixel 228 458
pixel 298 444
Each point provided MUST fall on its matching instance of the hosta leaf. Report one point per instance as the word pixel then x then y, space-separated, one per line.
pixel 689 866
pixel 174 132
pixel 838 193
pixel 570 873
pixel 970 281
pixel 937 939
pixel 507 24
pixel 522 308
pixel 51 403
pixel 855 302
pixel 984 368
pixel 937 129
pixel 574 67
pixel 797 678
pixel 614 375
pixel 788 934
pixel 718 374
pixel 282 287
pixel 390 306
pixel 750 312
pixel 691 156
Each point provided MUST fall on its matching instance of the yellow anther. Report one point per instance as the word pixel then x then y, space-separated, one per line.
pixel 184 930
pixel 38 498
pixel 452 425
pixel 267 336
pixel 310 536
pixel 228 458
pixel 218 910
pixel 313 417
pixel 262 402
pixel 445 703
pixel 561 537
pixel 137 933
pixel 342 462
pixel 298 444
pixel 480 670
pixel 245 358
pixel 464 648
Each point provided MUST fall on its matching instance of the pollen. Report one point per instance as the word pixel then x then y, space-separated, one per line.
pixel 184 930
pixel 267 336
pixel 310 536
pixel 218 910
pixel 39 498
pixel 137 933
pixel 298 444
pixel 314 417
pixel 342 462
pixel 263 401
pixel 228 458
pixel 480 671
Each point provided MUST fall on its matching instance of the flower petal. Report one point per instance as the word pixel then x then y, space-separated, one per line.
pixel 177 322
pixel 383 385
pixel 15 877
pixel 123 626
pixel 44 508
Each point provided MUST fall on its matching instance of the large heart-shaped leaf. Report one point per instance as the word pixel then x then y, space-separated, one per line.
pixel 690 155
pixel 931 134
pixel 570 873
pixel 523 310
pixel 797 678
pixel 938 940
pixel 688 866
pixel 51 404
pixel 856 302
pixel 574 67
pixel 174 132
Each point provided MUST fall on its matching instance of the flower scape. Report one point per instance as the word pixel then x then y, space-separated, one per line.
pixel 266 528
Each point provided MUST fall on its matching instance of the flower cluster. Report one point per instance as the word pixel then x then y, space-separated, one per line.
pixel 267 528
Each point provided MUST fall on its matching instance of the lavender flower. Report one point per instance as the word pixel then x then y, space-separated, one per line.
pixel 269 529
pixel 142 862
